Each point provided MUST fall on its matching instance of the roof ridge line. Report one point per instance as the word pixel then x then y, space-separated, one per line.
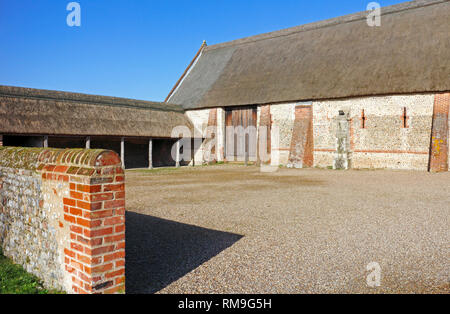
pixel 20 92
pixel 178 83
pixel 401 7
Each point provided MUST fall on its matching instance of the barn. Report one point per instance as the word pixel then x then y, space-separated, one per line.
pixel 338 93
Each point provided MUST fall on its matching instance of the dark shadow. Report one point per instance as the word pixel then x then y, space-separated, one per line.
pixel 23 141
pixel 65 142
pixel 136 153
pixel 159 252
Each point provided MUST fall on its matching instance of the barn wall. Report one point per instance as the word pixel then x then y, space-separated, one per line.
pixel 301 153
pixel 200 120
pixel 283 118
pixel 383 142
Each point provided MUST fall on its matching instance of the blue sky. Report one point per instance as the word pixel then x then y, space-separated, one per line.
pixel 135 48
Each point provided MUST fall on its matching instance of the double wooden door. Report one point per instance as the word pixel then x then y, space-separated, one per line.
pixel 241 135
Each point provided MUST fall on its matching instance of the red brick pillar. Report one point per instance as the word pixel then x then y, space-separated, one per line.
pixel 302 145
pixel 94 215
pixel 212 134
pixel 265 125
pixel 439 135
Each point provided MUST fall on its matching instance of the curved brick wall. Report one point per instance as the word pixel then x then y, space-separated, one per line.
pixel 62 216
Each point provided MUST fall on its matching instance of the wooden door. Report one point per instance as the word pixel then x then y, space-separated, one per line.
pixel 240 133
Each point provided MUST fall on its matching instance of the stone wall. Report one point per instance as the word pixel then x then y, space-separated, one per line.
pixel 283 118
pixel 199 119
pixel 62 216
pixel 385 132
pixel 215 120
pixel 28 231
pixel 378 136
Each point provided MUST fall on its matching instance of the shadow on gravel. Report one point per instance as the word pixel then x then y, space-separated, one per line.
pixel 160 251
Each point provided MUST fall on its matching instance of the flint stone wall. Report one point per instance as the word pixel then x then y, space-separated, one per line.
pixel 62 217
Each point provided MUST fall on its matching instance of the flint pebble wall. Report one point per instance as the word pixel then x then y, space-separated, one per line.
pixel 62 217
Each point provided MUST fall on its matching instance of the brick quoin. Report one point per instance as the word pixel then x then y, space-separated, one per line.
pixel 212 123
pixel 265 121
pixel 439 136
pixel 94 212
pixel 302 144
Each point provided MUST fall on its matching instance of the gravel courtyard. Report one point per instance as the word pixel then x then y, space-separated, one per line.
pixel 233 229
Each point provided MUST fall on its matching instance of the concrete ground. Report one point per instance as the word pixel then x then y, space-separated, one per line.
pixel 233 229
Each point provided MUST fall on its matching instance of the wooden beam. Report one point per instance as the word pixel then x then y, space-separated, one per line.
pixel 46 141
pixel 88 142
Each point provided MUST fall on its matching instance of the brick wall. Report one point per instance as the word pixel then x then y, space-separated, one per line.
pixel 62 216
pixel 265 125
pixel 439 157
pixel 302 144
pixel 211 136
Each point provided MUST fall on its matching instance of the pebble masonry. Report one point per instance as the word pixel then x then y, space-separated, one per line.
pixel 62 216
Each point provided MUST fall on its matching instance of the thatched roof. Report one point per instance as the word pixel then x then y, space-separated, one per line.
pixel 337 58
pixel 33 111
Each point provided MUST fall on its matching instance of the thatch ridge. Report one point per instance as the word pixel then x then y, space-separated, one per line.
pixel 328 23
pixel 14 91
